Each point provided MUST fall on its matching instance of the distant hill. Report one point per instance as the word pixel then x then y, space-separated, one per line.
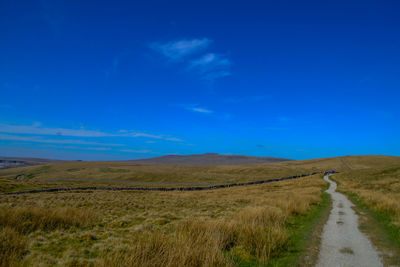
pixel 208 159
pixel 6 163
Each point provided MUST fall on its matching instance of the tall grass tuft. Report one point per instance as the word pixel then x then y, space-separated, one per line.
pixel 260 231
pixel 12 247
pixel 25 220
pixel 178 249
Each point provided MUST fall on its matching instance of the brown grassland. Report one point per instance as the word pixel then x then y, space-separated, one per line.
pixel 104 173
pixel 378 188
pixel 251 225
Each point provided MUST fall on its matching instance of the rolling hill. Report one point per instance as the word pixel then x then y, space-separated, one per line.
pixel 208 159
pixel 6 163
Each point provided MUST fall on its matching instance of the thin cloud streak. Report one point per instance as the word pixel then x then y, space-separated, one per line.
pixel 78 147
pixel 144 151
pixel 210 60
pixel 176 50
pixel 211 66
pixel 199 109
pixel 36 129
pixel 37 139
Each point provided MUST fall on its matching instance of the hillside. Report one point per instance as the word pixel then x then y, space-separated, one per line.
pixel 6 163
pixel 208 159
pixel 87 173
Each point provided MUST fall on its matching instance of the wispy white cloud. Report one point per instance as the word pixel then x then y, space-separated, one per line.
pixel 201 110
pixel 58 146
pixel 37 139
pixel 98 148
pixel 211 66
pixel 37 129
pixel 86 148
pixel 176 50
pixel 194 108
pixel 143 151
pixel 127 133
pixel 174 139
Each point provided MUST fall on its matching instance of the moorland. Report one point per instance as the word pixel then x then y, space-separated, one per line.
pixel 268 224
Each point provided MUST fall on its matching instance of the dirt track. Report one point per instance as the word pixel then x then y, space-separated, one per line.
pixel 342 242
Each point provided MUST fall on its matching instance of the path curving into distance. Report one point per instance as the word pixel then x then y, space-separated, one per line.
pixel 198 188
pixel 342 242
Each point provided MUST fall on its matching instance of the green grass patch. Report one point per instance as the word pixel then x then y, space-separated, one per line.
pixel 82 243
pixel 242 257
pixel 75 169
pixel 112 170
pixel 43 168
pixel 14 187
pixel 390 171
pixel 301 228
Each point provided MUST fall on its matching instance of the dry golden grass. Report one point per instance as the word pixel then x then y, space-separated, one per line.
pixel 190 228
pixel 258 231
pixel 104 173
pixel 12 247
pixel 379 188
pixel 161 228
pixel 26 220
pixel 17 222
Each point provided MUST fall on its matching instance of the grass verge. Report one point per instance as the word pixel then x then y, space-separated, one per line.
pixel 305 236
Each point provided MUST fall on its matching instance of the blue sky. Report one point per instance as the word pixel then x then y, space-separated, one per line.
pixel 107 80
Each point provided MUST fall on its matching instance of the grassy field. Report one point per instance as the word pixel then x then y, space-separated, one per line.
pixel 379 189
pixel 218 227
pixel 123 174
pixel 264 224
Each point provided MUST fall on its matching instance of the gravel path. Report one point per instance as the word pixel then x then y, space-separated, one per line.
pixel 342 242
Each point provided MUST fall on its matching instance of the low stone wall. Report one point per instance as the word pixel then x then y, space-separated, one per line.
pixel 197 188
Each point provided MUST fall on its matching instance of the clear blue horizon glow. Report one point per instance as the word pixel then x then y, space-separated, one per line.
pixel 109 80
